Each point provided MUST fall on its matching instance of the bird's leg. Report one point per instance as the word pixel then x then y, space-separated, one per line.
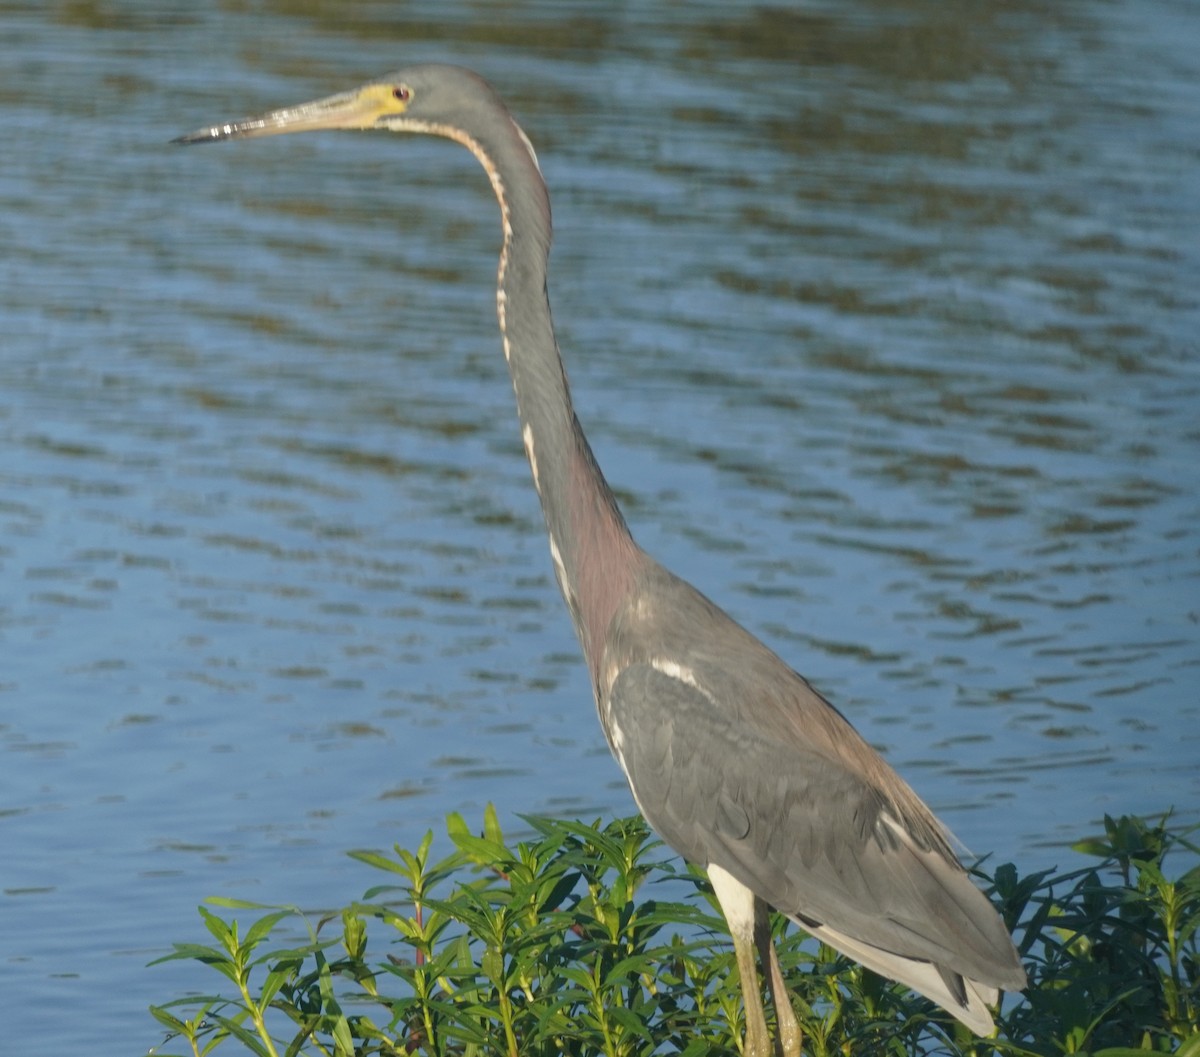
pixel 739 905
pixel 788 1028
pixel 758 1042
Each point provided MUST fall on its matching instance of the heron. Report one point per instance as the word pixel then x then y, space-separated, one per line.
pixel 733 758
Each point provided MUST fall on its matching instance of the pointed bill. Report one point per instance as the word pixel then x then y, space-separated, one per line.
pixel 362 108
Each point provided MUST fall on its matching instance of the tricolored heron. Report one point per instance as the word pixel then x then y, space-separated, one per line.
pixel 733 758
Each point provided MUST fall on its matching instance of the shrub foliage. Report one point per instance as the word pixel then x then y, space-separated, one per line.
pixel 592 940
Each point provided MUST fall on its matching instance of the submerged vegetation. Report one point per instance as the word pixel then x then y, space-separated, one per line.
pixel 542 947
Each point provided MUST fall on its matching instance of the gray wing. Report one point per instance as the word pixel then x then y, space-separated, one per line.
pixel 802 831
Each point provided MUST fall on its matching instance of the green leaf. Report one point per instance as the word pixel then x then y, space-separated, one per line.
pixel 171 1023
pixel 226 934
pixel 558 892
pixel 371 893
pixel 630 1021
pixel 243 1034
pixel 354 934
pixel 379 861
pixel 1097 846
pixel 262 928
pixel 343 1036
pixel 493 966
pixel 480 850
pixel 491 825
pixel 230 903
pixel 193 951
pixel 456 825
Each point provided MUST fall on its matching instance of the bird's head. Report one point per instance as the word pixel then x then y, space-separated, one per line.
pixel 439 99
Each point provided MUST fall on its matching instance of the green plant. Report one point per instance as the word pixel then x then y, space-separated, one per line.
pixel 589 939
pixel 1111 948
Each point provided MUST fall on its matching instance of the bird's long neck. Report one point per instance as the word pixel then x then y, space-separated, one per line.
pixel 594 556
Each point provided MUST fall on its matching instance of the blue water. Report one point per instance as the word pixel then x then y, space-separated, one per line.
pixel 881 318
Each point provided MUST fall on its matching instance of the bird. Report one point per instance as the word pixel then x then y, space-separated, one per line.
pixel 735 760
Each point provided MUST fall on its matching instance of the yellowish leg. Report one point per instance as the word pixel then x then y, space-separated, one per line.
pixel 738 904
pixel 785 1017
pixel 758 1042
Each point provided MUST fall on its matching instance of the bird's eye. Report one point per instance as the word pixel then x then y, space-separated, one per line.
pixel 402 93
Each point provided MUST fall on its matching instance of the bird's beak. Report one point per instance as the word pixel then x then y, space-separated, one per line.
pixel 364 107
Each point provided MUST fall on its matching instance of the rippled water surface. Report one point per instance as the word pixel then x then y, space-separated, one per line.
pixel 882 318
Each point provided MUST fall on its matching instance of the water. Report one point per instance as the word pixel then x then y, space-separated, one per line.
pixel 881 317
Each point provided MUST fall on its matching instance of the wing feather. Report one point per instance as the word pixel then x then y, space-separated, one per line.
pixel 803 831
